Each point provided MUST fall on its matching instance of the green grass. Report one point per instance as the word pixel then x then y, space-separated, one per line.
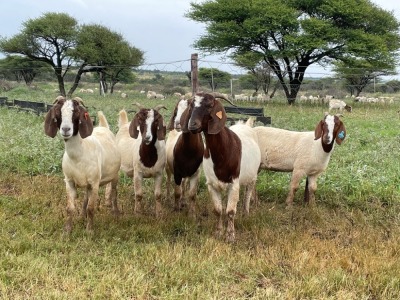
pixel 347 247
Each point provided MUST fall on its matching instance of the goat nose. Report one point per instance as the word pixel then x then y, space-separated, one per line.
pixel 193 125
pixel 66 129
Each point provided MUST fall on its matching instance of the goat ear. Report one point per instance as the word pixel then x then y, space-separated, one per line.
pixel 318 130
pixel 172 121
pixel 185 119
pixel 161 129
pixel 218 118
pixel 50 123
pixel 133 131
pixel 85 123
pixel 340 133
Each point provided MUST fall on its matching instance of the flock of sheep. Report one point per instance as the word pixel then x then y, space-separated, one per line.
pixel 231 157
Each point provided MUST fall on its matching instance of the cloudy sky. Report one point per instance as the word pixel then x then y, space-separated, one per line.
pixel 157 27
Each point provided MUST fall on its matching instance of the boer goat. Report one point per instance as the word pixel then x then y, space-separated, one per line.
pixel 302 153
pixel 231 157
pixel 149 158
pixel 184 157
pixel 91 158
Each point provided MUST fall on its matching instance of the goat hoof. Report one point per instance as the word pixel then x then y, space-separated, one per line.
pixel 68 228
pixel 230 238
pixel 289 206
pixel 116 212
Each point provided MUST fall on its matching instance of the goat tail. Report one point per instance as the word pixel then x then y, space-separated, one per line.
pixel 250 121
pixel 102 119
pixel 123 118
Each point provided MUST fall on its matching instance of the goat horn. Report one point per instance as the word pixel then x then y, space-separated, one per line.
pixel 219 95
pixel 158 107
pixel 58 99
pixel 79 99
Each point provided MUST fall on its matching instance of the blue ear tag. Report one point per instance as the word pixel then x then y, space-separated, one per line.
pixel 341 135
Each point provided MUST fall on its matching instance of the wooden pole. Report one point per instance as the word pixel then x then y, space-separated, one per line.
pixel 195 73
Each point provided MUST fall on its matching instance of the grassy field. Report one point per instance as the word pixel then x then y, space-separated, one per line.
pixel 347 247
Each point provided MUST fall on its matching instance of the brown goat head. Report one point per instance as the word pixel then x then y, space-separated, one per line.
pixel 205 113
pixel 330 129
pixel 150 124
pixel 68 116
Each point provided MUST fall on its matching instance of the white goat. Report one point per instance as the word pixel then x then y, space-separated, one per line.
pixel 339 104
pixel 125 144
pixel 91 157
pixel 302 153
pixel 148 130
pixel 231 157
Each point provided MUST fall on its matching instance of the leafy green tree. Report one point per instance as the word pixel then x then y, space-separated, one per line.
pixel 394 85
pixel 101 50
pixel 21 68
pixel 291 35
pixel 359 73
pixel 248 81
pixel 57 40
pixel 47 39
pixel 260 71
pixel 214 77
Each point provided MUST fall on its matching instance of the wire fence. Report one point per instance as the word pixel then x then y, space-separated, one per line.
pixel 315 79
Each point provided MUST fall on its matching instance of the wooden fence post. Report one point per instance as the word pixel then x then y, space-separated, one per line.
pixel 194 73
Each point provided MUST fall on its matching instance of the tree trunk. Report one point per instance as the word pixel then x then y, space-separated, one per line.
pixel 60 80
pixel 77 79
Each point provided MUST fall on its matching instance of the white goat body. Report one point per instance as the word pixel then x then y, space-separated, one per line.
pixel 302 153
pixel 89 161
pixel 339 104
pixel 125 144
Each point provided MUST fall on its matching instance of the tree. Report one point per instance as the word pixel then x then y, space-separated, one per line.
pixel 214 77
pixel 259 70
pixel 47 39
pixel 57 40
pixel 359 73
pixel 101 50
pixel 394 85
pixel 291 35
pixel 21 68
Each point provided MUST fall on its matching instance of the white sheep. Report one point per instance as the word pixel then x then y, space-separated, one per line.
pixel 91 158
pixel 339 104
pixel 302 153
pixel 151 94
pixel 231 157
pixel 160 96
pixel 149 158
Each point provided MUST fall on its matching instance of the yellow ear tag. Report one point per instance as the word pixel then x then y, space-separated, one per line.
pixel 219 114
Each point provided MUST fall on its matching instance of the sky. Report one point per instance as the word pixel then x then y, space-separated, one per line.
pixel 157 27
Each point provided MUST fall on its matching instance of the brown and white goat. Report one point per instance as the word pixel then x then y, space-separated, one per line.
pixel 231 157
pixel 149 158
pixel 91 158
pixel 184 157
pixel 302 153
